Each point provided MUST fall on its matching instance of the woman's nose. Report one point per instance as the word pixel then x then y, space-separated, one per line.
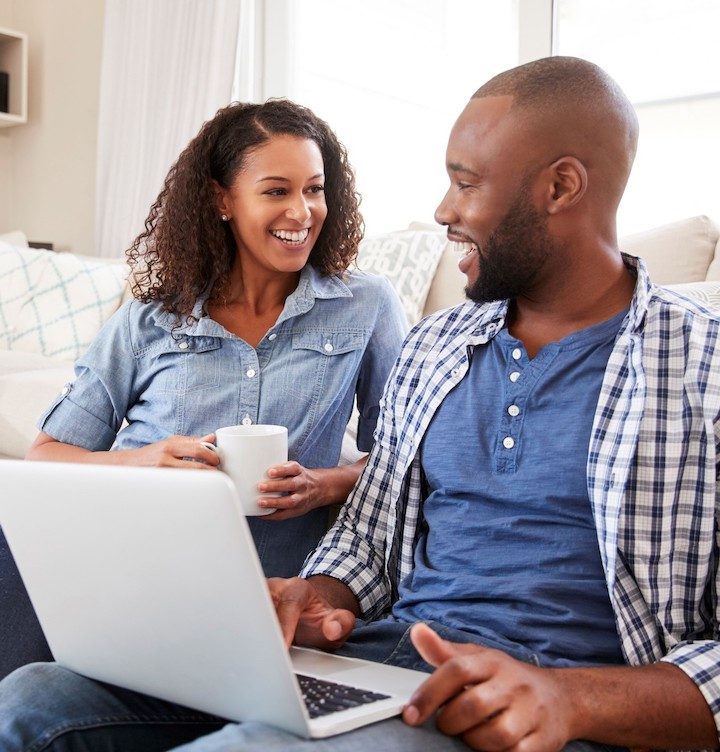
pixel 298 210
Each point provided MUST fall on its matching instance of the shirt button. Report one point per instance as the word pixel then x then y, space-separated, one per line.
pixel 247 421
pixel 328 347
pixel 65 390
pixel 508 442
pixel 272 336
pixel 250 372
pixel 517 353
pixel 514 410
pixel 183 345
pixel 514 376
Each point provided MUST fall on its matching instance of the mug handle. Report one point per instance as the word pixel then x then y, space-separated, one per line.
pixel 212 448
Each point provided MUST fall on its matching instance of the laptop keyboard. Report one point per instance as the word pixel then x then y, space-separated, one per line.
pixel 324 697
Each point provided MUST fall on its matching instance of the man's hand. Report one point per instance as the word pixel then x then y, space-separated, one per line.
pixel 304 490
pixel 307 617
pixel 492 701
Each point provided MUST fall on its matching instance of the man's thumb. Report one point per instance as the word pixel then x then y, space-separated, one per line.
pixel 432 648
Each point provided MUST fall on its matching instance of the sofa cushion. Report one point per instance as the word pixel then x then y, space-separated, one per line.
pixel 408 258
pixel 28 384
pixel 66 305
pixel 678 252
pixel 707 294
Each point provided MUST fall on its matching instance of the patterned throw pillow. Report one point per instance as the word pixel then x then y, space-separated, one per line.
pixel 65 303
pixel 706 294
pixel 20 272
pixel 408 258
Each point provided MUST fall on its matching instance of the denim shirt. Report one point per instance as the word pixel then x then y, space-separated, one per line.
pixel 335 339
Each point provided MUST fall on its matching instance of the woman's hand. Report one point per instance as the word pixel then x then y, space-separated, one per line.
pixel 175 451
pixel 306 488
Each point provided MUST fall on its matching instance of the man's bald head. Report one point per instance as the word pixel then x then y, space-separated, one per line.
pixel 572 107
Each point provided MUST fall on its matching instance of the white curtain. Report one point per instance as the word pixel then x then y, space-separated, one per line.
pixel 167 66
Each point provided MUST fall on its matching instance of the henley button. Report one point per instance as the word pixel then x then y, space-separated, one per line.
pixel 514 376
pixel 250 372
pixel 508 442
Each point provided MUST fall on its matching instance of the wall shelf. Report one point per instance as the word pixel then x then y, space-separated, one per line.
pixel 14 61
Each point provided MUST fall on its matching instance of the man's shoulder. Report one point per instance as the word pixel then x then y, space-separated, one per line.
pixel 449 323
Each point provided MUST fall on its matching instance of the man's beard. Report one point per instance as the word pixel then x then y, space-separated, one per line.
pixel 514 254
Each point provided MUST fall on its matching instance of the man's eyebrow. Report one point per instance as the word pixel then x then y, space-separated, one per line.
pixel 287 180
pixel 457 167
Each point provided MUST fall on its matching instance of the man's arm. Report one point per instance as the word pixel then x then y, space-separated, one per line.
pixel 496 702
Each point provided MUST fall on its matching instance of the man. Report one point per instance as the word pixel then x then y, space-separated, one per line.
pixel 542 491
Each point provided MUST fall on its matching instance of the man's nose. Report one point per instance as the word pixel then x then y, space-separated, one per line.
pixel 444 214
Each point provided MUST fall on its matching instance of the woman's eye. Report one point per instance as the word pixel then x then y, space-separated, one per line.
pixel 275 192
pixel 316 188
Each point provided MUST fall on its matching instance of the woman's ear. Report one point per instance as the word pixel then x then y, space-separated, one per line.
pixel 220 199
pixel 568 183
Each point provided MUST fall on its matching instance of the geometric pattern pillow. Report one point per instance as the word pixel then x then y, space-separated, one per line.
pixel 409 259
pixel 707 294
pixel 68 305
pixel 20 272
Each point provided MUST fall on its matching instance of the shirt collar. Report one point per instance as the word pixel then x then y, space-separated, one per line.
pixel 492 315
pixel 312 286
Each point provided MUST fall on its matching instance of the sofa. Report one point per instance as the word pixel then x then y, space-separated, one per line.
pixel 51 305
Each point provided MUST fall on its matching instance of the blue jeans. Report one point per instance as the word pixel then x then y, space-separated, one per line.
pixel 21 638
pixel 46 708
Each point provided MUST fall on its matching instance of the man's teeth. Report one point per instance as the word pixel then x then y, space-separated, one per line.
pixel 462 249
pixel 291 237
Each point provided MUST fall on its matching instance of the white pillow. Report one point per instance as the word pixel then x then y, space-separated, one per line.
pixel 408 258
pixel 677 252
pixel 16 237
pixel 20 272
pixel 68 305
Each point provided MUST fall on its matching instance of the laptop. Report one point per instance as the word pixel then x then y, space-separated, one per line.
pixel 148 579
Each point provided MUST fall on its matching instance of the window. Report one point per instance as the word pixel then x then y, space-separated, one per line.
pixel 390 79
pixel 666 58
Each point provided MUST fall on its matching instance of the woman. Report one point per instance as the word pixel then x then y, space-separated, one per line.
pixel 245 312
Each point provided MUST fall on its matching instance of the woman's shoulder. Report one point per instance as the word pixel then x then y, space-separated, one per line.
pixel 360 281
pixel 142 323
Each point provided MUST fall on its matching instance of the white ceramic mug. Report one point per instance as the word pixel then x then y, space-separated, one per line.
pixel 246 453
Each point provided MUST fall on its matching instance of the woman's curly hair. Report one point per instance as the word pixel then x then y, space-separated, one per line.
pixel 185 246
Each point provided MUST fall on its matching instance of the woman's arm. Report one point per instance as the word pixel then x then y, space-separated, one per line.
pixel 175 451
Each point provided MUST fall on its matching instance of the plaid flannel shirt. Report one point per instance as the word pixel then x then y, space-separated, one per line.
pixel 652 475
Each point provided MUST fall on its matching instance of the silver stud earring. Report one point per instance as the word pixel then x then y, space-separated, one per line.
pixel 224 217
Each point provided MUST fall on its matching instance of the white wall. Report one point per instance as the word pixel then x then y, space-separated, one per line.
pixel 51 160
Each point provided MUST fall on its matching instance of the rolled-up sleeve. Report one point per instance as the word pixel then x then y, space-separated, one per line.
pixel 380 355
pixel 700 660
pixel 89 411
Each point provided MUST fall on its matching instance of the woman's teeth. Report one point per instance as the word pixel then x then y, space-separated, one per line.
pixel 288 236
pixel 462 249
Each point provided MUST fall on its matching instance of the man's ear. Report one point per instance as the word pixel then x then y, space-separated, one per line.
pixel 568 183
pixel 220 192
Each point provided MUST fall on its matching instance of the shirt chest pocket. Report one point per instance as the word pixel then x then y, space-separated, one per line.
pixel 185 365
pixel 323 365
